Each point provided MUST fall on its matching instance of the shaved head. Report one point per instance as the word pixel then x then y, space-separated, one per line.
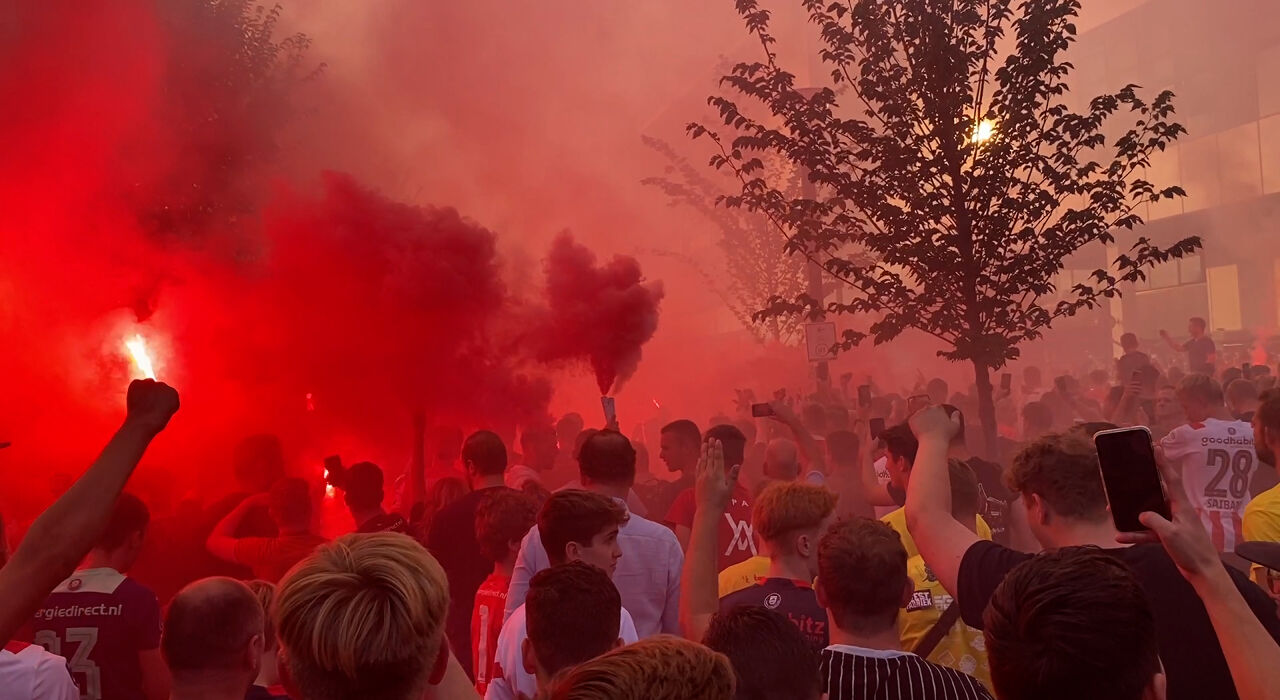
pixel 213 628
pixel 782 460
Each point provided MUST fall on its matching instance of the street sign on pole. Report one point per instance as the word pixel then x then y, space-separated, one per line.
pixel 820 341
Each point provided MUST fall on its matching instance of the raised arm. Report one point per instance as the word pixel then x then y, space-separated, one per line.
pixel 64 533
pixel 941 539
pixel 1164 335
pixel 699 598
pixel 1252 655
pixel 814 457
pixel 222 541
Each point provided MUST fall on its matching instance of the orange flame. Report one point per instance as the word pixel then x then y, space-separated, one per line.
pixel 138 349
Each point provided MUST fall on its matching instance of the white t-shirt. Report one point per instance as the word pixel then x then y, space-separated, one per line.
pixel 1217 462
pixel 34 674
pixel 509 676
pixel 518 475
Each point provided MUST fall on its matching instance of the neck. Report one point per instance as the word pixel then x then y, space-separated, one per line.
pixel 789 566
pixel 1078 533
pixel 210 689
pixel 364 515
pixel 886 639
pixel 618 491
pixel 487 481
pixel 505 568
pixel 270 673
pixel 99 559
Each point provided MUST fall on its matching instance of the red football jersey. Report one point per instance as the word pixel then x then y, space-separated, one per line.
pixel 486 623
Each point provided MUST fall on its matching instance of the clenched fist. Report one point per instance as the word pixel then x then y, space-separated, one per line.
pixel 151 404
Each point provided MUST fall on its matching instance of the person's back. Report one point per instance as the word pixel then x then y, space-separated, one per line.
pixel 28 672
pixel 1071 624
pixel 789 518
pixel 1216 458
pixel 213 640
pixel 452 536
pixel 862 582
pixel 104 623
pixel 648 574
pixel 573 615
pixel 502 521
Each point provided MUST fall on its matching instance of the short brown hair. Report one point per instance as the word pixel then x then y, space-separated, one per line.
pixel 658 668
pixel 576 516
pixel 862 571
pixel 1072 623
pixel 209 626
pixel 1062 469
pixel 572 613
pixel 1201 389
pixel 504 516
pixel 784 507
pixel 363 616
pixel 265 592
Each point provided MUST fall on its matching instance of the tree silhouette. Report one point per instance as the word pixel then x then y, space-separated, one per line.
pixel 757 266
pixel 959 169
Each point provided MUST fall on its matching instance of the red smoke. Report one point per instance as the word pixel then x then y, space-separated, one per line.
pixel 603 314
pixel 147 188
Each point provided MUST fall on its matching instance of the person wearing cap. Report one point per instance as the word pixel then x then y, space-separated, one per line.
pixel 364 494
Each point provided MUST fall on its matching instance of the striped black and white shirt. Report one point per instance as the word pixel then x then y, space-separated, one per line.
pixel 854 673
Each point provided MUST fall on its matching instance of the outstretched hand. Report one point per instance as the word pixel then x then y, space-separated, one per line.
pixel 716 483
pixel 150 404
pixel 1184 537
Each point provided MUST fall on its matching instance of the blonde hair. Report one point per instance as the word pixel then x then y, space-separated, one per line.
pixel 363 617
pixel 658 668
pixel 265 592
pixel 784 507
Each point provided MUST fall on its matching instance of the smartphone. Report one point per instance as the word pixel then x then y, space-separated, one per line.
pixel 1130 476
pixel 1006 382
pixel 610 410
pixel 761 410
pixel 864 395
pixel 876 426
pixel 1246 369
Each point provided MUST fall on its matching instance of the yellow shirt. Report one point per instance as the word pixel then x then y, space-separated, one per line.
pixel 963 648
pixel 744 574
pixel 1262 524
pixel 898 521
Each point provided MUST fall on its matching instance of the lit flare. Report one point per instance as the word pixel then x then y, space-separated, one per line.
pixel 138 349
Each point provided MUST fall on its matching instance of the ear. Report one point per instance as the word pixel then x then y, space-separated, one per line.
pixel 257 646
pixel 618 643
pixel 908 590
pixel 572 551
pixel 1036 510
pixel 528 659
pixel 513 547
pixel 437 671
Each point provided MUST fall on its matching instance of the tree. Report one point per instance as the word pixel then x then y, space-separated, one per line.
pixel 960 170
pixel 756 267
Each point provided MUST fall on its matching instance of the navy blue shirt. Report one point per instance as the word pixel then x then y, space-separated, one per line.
pixel 794 599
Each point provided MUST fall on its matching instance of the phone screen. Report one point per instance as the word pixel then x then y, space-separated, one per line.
pixel 876 426
pixel 761 410
pixel 1130 476
pixel 864 395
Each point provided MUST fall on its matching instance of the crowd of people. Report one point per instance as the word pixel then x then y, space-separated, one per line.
pixel 847 544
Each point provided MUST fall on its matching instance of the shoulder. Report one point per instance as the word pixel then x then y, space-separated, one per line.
pixel 896 519
pixel 641 527
pixel 966 686
pixel 134 592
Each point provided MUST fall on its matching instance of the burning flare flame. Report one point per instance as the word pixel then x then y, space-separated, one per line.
pixel 138 349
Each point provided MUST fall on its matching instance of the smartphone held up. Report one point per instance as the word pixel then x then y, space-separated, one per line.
pixel 1130 476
